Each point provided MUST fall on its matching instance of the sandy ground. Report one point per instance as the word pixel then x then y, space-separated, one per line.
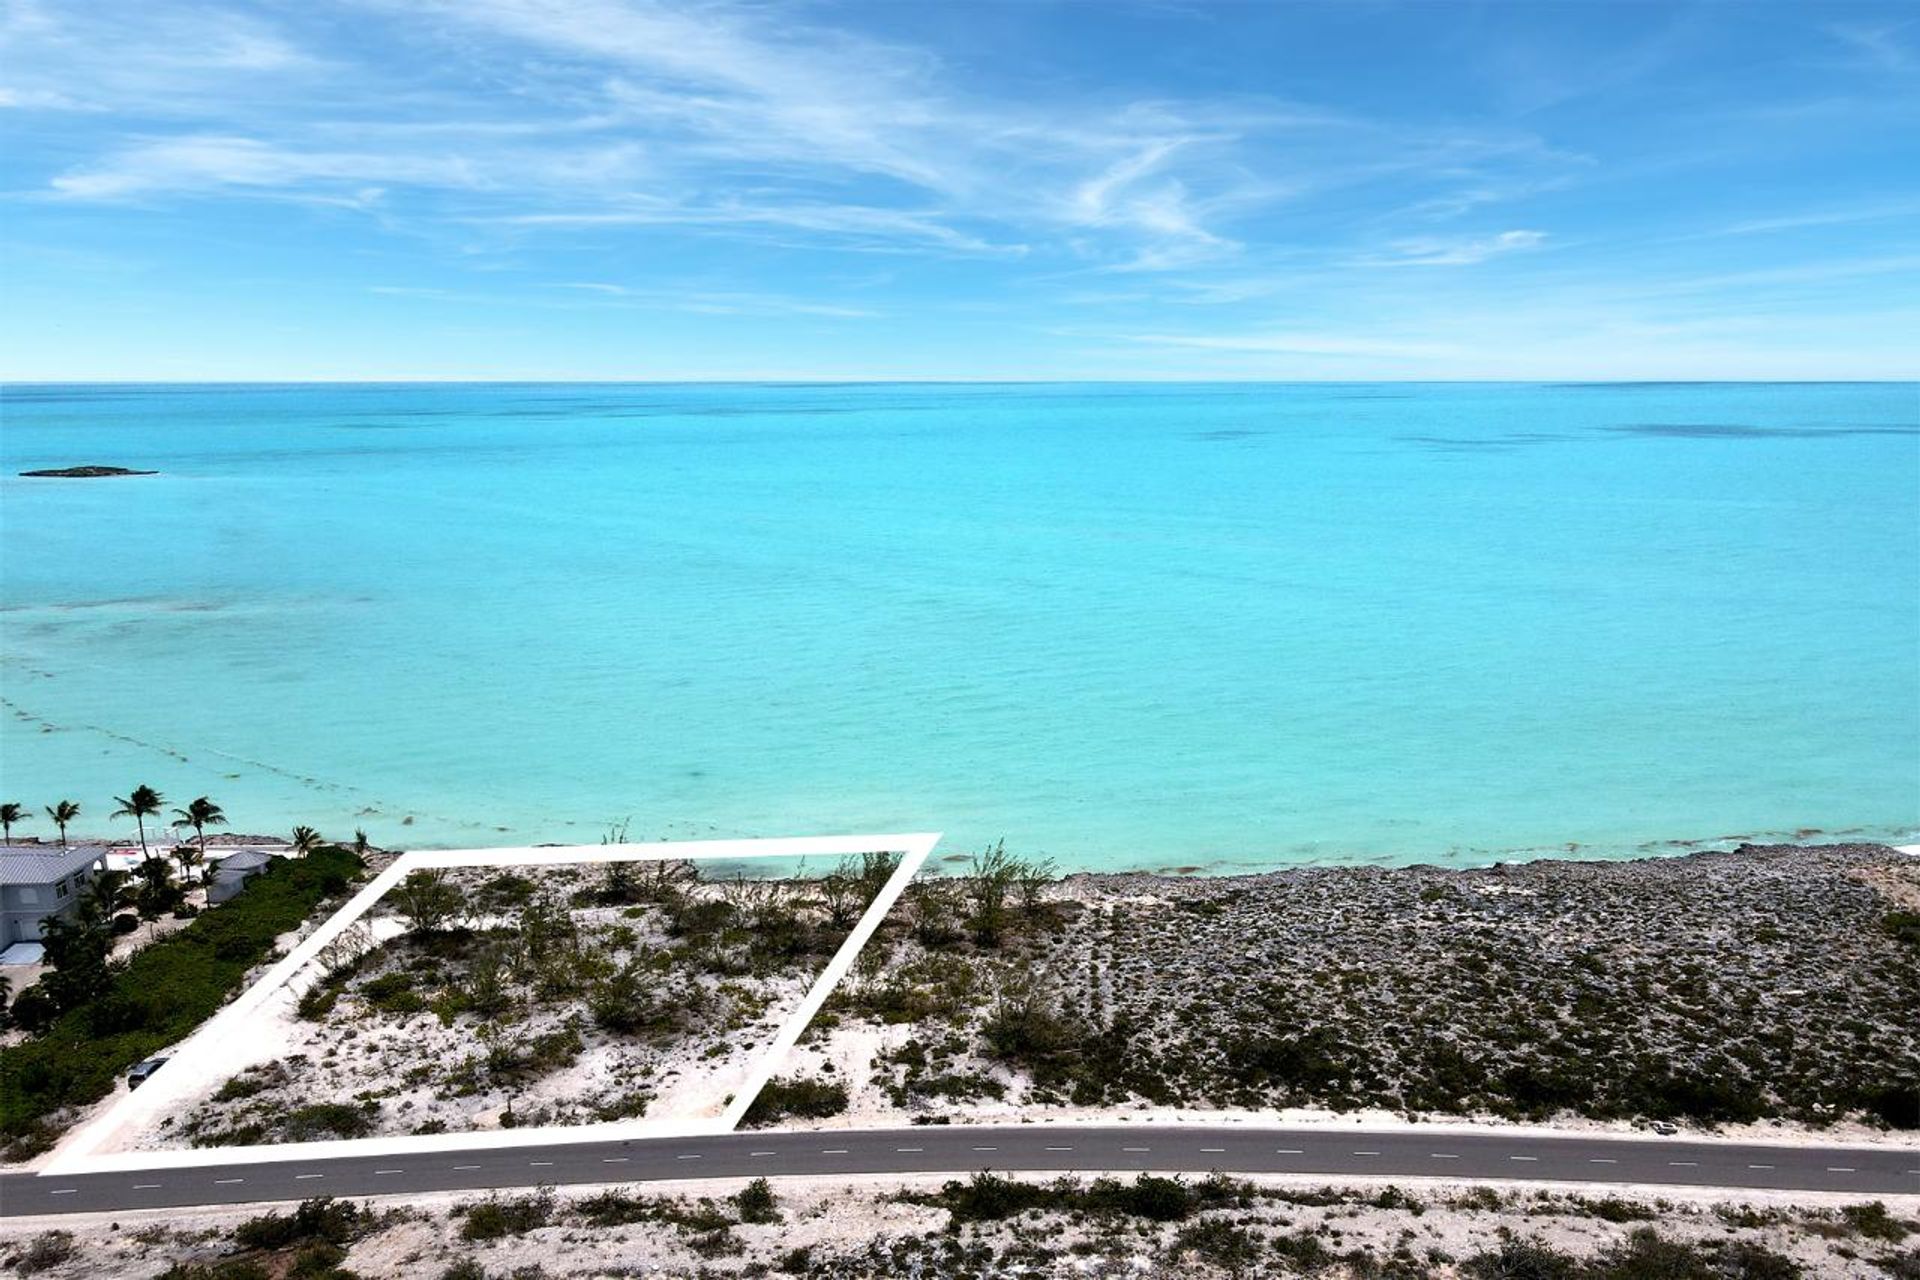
pixel 690 1075
pixel 849 1053
pixel 870 1109
pixel 852 1046
pixel 834 1217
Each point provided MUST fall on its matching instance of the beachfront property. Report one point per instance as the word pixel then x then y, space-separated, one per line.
pixel 41 881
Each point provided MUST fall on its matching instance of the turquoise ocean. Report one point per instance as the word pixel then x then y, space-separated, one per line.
pixel 1120 625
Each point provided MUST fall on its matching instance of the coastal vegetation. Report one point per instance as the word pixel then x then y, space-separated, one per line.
pixel 804 1098
pixel 1769 983
pixel 990 1227
pixel 505 996
pixel 93 1016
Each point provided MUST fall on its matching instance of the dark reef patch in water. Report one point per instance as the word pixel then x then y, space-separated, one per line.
pixel 1509 441
pixel 1746 431
pixel 1657 385
pixel 84 473
pixel 1461 444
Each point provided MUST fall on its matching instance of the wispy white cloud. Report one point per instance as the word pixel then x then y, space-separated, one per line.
pixel 691 299
pixel 728 158
pixel 160 59
pixel 1877 212
pixel 1303 344
pixel 714 116
pixel 1453 251
pixel 718 303
pixel 855 226
pixel 1881 46
pixel 201 164
pixel 1134 192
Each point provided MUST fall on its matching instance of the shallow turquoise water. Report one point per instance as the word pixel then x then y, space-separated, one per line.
pixel 1121 625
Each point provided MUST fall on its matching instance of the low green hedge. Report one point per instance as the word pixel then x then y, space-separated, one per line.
pixel 802 1096
pixel 163 992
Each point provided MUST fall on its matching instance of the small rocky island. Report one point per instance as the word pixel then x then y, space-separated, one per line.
pixel 84 473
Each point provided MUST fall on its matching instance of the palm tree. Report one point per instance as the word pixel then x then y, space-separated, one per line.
pixel 63 813
pixel 305 840
pixel 106 893
pixel 200 814
pixel 11 813
pixel 154 892
pixel 188 857
pixel 144 803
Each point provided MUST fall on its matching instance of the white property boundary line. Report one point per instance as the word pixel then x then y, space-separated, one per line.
pixel 81 1153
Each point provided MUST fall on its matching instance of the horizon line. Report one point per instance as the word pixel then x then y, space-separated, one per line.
pixel 943 381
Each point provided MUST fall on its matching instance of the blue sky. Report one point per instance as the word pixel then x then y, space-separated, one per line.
pixel 639 189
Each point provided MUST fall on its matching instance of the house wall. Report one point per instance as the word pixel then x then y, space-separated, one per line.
pixel 225 886
pixel 24 906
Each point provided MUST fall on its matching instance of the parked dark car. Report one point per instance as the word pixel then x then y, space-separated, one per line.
pixel 141 1070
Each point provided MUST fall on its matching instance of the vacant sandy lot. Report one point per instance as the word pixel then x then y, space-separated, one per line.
pixel 1759 991
pixel 481 998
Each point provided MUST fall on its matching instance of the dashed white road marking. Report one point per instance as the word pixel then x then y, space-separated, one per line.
pixel 1136 1148
pixel 378 1172
pixel 1839 1168
pixel 1366 1153
pixel 535 1164
pixel 1059 1148
pixel 226 1182
pixel 1535 1159
pixel 146 1186
pixel 1682 1164
pixel 1288 1151
pixel 302 1177
pixel 1759 1166
pixel 1441 1155
pixel 763 1153
pixel 64 1191
pixel 464 1167
pixel 986 1148
pixel 1213 1151
pixel 834 1151
pixel 689 1157
pixel 623 1159
pixel 914 1150
pixel 1602 1160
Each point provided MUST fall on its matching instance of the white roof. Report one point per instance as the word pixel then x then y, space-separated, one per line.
pixel 44 863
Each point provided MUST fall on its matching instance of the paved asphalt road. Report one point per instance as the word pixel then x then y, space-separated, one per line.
pixel 957 1149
